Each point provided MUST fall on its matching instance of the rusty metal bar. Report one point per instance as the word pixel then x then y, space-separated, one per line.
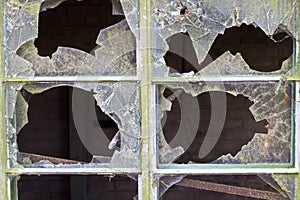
pixel 228 189
pixel 36 158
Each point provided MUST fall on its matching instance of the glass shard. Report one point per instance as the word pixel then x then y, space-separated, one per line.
pixel 288 183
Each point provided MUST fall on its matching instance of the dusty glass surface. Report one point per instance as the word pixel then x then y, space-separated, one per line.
pixel 204 20
pixel 118 100
pixel 287 183
pixel 270 101
pixel 114 54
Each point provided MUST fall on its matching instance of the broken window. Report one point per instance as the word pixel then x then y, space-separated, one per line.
pixel 175 97
pixel 273 147
pixel 121 106
pixel 105 55
pixel 55 123
pixel 268 27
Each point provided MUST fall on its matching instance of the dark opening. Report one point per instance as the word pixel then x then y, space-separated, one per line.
pixel 239 127
pixel 73 24
pixel 51 130
pixel 261 52
pixel 183 10
pixel 65 187
pixel 248 181
pixel 181 56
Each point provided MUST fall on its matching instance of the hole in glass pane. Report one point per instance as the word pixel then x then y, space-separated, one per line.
pixel 259 51
pixel 65 187
pixel 51 130
pixel 181 56
pixel 73 24
pixel 239 127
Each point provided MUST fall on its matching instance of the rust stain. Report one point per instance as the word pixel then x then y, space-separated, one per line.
pixel 228 189
pixel 36 158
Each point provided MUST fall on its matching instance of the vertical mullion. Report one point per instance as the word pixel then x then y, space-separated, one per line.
pixel 3 162
pixel 297 125
pixel 297 45
pixel 145 62
pixel 297 131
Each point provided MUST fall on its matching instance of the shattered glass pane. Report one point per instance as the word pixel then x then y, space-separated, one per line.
pixel 271 101
pixel 204 20
pixel 117 99
pixel 114 54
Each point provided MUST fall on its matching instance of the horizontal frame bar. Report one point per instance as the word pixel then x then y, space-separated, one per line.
pixel 155 80
pixel 74 79
pixel 66 171
pixel 229 165
pixel 217 78
pixel 228 171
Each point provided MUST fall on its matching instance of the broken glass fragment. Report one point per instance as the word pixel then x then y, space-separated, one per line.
pixel 49 4
pixel 117 7
pixel 287 183
pixel 166 182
